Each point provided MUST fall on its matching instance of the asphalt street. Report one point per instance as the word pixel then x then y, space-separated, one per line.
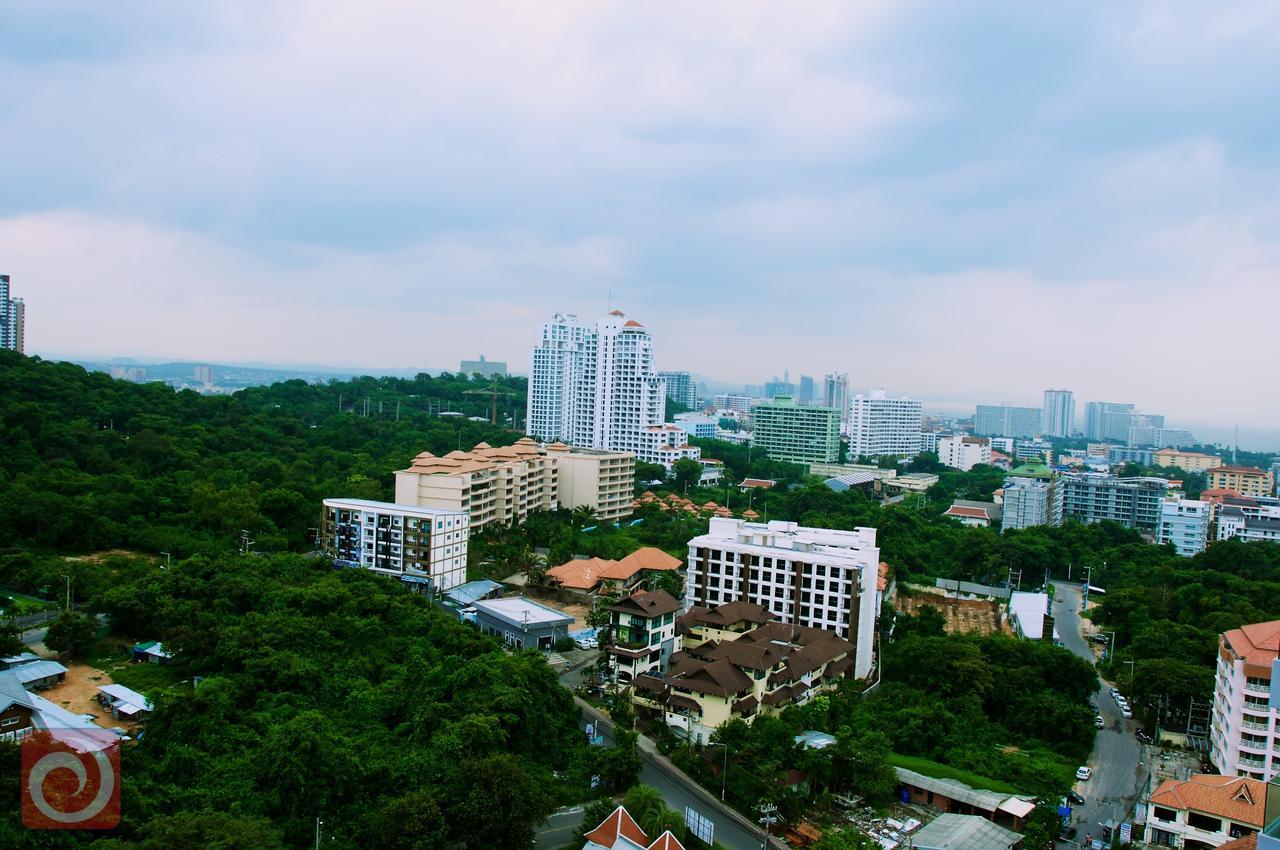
pixel 1119 762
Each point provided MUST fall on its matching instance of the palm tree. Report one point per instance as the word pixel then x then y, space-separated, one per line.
pixel 645 804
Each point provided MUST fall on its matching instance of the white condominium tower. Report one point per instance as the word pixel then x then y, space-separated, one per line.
pixel 1059 417
pixel 835 393
pixel 597 387
pixel 879 425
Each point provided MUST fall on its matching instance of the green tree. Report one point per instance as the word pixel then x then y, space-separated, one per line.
pixel 686 473
pixel 72 633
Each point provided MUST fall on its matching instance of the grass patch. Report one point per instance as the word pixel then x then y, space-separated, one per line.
pixel 942 771
pixel 14 604
pixel 145 677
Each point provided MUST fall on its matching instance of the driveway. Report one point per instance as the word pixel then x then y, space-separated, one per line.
pixel 1120 764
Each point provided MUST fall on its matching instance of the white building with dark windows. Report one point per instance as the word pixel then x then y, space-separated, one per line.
pixel 1184 524
pixel 1058 418
pixel 681 388
pixel 1002 420
pixel 816 577
pixel 835 393
pixel 597 387
pixel 1243 738
pixel 421 546
pixel 960 451
pixel 882 426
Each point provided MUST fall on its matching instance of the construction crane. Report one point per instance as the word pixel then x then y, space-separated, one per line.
pixel 494 390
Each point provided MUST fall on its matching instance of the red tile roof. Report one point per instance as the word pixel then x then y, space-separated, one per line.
pixel 1235 797
pixel 666 841
pixel 1258 643
pixel 618 823
pixel 965 511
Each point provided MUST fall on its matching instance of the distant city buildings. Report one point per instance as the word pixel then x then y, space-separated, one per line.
pixel 960 451
pixel 1184 524
pixel 204 375
pixel 425 546
pixel 1145 435
pixel 835 393
pixel 881 426
pixel 1244 480
pixel 786 431
pixel 597 387
pixel 1059 415
pixel 1242 739
pixel 1033 451
pixel 1000 420
pixel 1090 497
pixel 1104 420
pixel 779 387
pixel 681 388
pixel 1187 461
pixel 733 403
pixel 484 368
pixel 807 390
pixel 13 319
pixel 814 577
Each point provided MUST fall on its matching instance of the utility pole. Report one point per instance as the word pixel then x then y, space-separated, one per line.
pixel 246 540
pixel 319 823
pixel 68 578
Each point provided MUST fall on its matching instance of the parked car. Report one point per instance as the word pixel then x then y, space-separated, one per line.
pixel 1083 773
pixel 1115 692
pixel 1075 799
pixel 1099 722
pixel 1126 712
pixel 586 643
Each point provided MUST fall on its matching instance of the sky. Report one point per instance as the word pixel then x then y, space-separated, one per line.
pixel 967 201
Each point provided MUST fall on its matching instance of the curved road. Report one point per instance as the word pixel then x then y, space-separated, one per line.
pixel 1119 762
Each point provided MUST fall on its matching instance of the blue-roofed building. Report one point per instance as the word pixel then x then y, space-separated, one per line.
pixel 472 592
pixel 39 674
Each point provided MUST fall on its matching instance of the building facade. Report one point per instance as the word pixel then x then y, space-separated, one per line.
pixel 1029 501
pixel 815 577
pixel 835 393
pixel 1187 461
pixel 1250 522
pixel 1243 738
pixel 1105 420
pixel 960 451
pixel 521 622
pixel 786 431
pixel 642 635
pixel 733 403
pixel 1059 415
pixel 1136 503
pixel 484 368
pixel 681 388
pixel 504 484
pixel 1204 811
pixel 423 546
pixel 13 319
pixel 1001 420
pixel 882 426
pixel 806 392
pixel 698 425
pixel 1184 525
pixel 1245 480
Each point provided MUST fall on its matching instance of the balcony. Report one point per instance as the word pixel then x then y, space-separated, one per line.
pixel 1254 688
pixel 1254 725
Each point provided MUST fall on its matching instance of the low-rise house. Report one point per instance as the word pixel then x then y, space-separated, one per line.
pixel 522 622
pixel 955 797
pixel 1029 617
pixel 39 674
pixel 472 592
pixel 22 713
pixel 8 662
pixel 965 832
pixel 643 634
pixel 975 514
pixel 620 831
pixel 601 575
pixel 124 703
pixel 1205 811
pixel 151 652
pixel 742 675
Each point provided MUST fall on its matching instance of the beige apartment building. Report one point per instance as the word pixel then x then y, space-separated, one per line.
pixel 1243 480
pixel 505 483
pixel 1189 461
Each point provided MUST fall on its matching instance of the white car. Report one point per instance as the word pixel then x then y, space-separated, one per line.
pixel 1099 722
pixel 586 643
pixel 1126 712
pixel 1083 773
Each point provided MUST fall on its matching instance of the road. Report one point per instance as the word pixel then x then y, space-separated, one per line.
pixel 1119 762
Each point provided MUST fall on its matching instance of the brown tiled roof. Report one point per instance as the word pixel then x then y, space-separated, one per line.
pixel 580 574
pixel 964 511
pixel 882 576
pixel 650 603
pixel 746 705
pixel 683 702
pixel 719 678
pixel 762 483
pixel 1238 798
pixel 778 697
pixel 666 841
pixel 728 614
pixel 651 558
pixel 645 682
pixel 482 457
pixel 1258 643
pixel 618 823
pixel 1249 842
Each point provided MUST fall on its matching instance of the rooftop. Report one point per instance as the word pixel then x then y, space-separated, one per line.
pixel 389 508
pixel 964 832
pixel 1235 797
pixel 1258 643
pixel 519 611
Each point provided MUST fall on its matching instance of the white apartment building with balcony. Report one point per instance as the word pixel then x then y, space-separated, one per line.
pixel 879 425
pixel 960 451
pixel 1243 738
pixel 1184 523
pixel 422 546
pixel 816 577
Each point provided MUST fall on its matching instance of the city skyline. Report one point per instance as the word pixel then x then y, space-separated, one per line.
pixel 788 184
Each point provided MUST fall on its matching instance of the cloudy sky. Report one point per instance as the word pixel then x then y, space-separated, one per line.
pixel 957 200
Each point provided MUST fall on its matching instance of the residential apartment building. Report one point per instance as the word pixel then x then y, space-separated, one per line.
pixel 597 387
pixel 1104 420
pixel 1243 739
pixel 698 425
pixel 835 393
pixel 1033 451
pixel 733 403
pixel 1059 415
pixel 12 319
pixel 881 426
pixel 1204 811
pixel 666 444
pixel 960 451
pixel 1001 420
pixel 1129 454
pixel 1245 480
pixel 929 441
pixel 1184 524
pixel 1089 497
pixel 504 484
pixel 1031 497
pixel 642 635
pixel 422 546
pixel 744 673
pixel 805 393
pixel 1246 520
pixel 1142 435
pixel 681 388
pixel 1187 461
pixel 816 577
pixel 786 431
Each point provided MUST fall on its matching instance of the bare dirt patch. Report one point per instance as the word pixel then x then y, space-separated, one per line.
pixel 78 693
pixel 963 616
pixel 99 557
